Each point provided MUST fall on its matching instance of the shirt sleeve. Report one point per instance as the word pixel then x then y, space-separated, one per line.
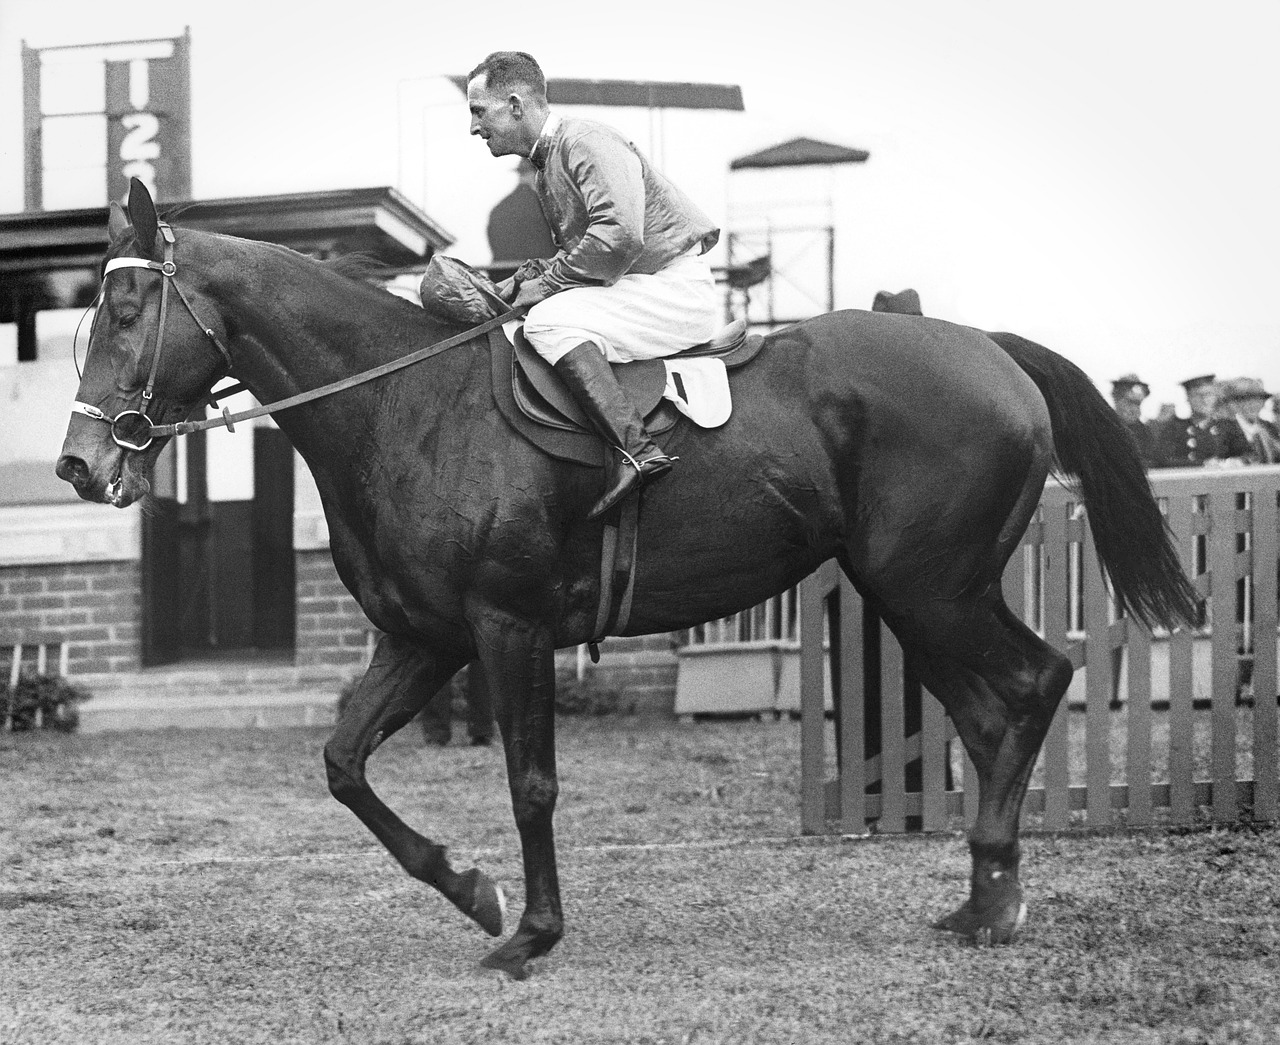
pixel 608 177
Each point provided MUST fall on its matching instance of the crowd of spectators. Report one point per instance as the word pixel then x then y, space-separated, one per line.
pixel 1224 426
pixel 1229 423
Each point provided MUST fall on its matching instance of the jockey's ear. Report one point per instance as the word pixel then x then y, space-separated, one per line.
pixel 117 220
pixel 142 215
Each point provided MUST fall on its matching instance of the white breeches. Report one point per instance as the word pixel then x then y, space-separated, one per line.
pixel 639 317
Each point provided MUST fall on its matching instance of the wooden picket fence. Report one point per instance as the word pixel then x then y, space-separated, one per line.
pixel 1162 728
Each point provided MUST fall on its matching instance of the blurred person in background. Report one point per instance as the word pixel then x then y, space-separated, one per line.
pixel 1127 395
pixel 1204 437
pixel 436 719
pixel 1243 400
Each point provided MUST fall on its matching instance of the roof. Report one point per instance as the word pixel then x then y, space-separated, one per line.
pixel 642 94
pixel 800 152
pixel 380 221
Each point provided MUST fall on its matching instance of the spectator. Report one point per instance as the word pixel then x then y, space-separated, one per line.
pixel 1203 437
pixel 1127 394
pixel 1243 400
pixel 436 717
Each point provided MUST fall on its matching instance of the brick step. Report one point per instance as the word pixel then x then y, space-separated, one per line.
pixel 261 710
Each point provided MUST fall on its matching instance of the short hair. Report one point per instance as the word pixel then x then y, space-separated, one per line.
pixel 505 71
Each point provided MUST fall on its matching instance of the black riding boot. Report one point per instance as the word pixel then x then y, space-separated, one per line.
pixel 589 378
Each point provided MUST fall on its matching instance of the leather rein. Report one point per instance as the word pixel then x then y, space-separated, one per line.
pixel 168 271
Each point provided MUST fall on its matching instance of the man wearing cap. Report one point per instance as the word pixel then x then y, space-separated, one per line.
pixel 1204 437
pixel 628 280
pixel 1243 399
pixel 1127 394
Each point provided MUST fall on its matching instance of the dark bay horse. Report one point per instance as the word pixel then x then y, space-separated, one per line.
pixel 911 450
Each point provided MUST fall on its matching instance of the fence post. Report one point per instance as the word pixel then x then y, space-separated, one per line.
pixel 1054 558
pixel 1098 682
pixel 1221 562
pixel 1265 553
pixel 852 718
pixel 813 592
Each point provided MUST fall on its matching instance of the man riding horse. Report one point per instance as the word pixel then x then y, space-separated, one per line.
pixel 629 280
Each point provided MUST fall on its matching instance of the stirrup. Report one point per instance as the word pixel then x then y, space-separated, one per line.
pixel 660 457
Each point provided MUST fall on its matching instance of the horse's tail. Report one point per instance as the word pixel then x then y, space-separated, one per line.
pixel 1094 447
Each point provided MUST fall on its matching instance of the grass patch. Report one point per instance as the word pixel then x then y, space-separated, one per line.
pixel 202 886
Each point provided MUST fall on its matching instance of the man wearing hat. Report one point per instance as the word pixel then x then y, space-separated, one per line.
pixel 1203 437
pixel 1127 394
pixel 1243 399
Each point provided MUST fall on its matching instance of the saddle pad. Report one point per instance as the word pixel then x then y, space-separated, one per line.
pixel 699 388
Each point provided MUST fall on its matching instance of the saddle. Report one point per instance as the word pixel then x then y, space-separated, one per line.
pixel 535 402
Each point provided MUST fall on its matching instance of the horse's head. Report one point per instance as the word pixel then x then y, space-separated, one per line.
pixel 150 360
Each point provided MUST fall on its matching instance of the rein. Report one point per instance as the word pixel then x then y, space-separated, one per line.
pixel 229 420
pixel 168 270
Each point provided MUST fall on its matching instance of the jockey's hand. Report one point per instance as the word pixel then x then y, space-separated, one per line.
pixel 530 294
pixel 507 289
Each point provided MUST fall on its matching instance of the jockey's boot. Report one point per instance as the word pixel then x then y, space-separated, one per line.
pixel 589 378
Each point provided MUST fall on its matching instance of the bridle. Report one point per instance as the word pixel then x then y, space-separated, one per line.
pixel 130 426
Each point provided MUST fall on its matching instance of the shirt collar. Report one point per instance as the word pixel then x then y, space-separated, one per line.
pixel 538 155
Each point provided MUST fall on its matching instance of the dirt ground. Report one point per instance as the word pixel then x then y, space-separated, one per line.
pixel 202 886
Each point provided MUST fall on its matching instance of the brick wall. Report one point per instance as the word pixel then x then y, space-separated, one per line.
pixel 95 605
pixel 332 629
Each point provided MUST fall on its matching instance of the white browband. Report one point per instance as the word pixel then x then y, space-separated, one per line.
pixel 129 263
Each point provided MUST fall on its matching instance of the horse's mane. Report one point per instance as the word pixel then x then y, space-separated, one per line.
pixel 359 266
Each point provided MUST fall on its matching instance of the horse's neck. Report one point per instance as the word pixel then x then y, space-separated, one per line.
pixel 297 325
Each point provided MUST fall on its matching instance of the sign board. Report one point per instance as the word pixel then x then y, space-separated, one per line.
pixel 146 105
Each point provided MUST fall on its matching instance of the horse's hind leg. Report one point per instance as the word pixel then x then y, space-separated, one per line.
pixel 519 664
pixel 399 682
pixel 1001 684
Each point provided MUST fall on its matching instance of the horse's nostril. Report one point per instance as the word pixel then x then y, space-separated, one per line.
pixel 73 470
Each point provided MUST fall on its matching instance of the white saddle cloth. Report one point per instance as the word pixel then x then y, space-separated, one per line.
pixel 700 390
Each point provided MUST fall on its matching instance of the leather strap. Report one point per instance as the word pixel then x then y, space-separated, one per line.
pixel 618 554
pixel 228 420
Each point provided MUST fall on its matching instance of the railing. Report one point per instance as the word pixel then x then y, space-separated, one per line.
pixel 1156 726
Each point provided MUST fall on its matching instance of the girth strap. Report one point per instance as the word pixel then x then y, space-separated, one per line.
pixel 617 571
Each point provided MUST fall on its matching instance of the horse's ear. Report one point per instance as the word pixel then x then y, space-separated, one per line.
pixel 117 221
pixel 142 215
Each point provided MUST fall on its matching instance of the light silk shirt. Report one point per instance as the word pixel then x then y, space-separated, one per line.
pixel 611 213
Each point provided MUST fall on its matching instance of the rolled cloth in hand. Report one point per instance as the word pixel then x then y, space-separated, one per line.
pixel 454 292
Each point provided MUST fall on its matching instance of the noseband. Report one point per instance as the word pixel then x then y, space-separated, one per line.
pixel 130 423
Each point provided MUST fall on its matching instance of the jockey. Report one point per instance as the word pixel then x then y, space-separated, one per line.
pixel 628 281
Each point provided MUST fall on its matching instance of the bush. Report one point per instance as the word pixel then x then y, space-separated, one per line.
pixel 54 697
pixel 585 696
pixel 574 696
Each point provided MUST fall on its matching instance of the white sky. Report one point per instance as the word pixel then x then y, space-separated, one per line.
pixel 1100 176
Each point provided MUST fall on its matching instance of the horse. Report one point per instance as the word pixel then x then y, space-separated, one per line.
pixel 911 450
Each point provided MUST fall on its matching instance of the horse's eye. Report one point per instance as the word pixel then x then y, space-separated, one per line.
pixel 127 320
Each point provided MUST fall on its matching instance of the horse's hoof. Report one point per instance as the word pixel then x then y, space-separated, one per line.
pixel 488 903
pixel 994 925
pixel 504 961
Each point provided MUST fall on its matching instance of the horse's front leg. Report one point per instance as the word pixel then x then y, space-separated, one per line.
pixel 400 680
pixel 519 663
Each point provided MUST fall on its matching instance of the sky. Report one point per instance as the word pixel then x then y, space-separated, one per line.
pixel 1099 176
